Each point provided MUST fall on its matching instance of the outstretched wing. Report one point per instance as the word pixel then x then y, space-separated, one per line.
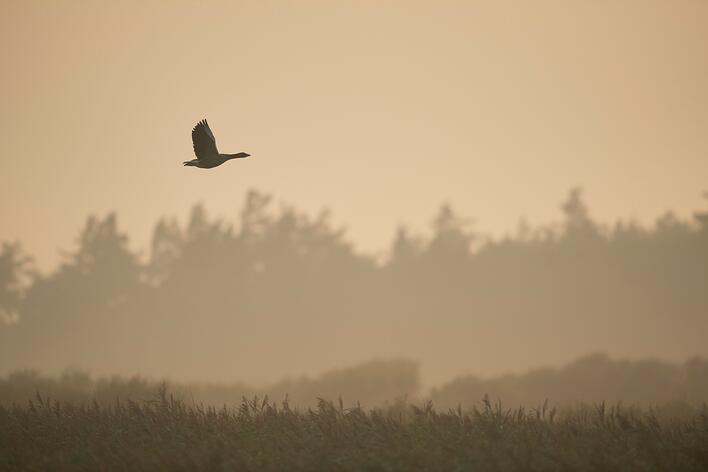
pixel 204 141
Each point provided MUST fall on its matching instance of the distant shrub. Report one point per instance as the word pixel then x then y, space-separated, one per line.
pixel 371 384
pixel 590 379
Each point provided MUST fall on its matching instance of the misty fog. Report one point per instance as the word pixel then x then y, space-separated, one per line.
pixel 274 293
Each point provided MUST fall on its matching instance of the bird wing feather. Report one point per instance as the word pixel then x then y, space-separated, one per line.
pixel 204 141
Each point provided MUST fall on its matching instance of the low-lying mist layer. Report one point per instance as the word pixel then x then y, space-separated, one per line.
pixel 591 379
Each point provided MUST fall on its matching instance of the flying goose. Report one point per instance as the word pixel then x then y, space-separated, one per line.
pixel 205 148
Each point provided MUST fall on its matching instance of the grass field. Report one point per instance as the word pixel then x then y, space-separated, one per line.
pixel 170 434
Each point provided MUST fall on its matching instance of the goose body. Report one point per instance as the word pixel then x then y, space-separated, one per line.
pixel 205 149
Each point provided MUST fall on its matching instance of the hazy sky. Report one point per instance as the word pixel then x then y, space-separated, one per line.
pixel 377 110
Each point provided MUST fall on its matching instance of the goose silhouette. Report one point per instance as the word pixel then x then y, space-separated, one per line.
pixel 205 149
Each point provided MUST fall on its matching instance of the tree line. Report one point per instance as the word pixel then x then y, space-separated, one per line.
pixel 280 291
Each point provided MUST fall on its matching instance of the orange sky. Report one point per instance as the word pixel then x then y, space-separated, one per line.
pixel 377 110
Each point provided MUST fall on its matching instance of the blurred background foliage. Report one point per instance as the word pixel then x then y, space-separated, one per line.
pixel 281 292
